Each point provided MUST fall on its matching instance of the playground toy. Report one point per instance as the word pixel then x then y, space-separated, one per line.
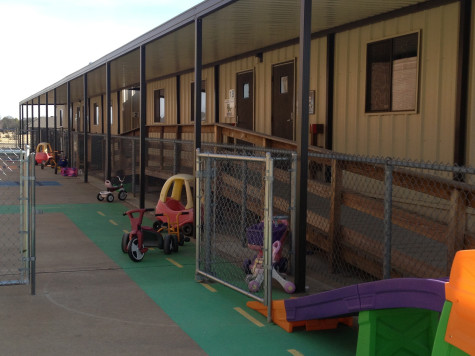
pixel 255 269
pixel 107 194
pixel 44 155
pixel 137 242
pixel 170 208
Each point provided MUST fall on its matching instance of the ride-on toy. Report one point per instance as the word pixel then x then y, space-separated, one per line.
pixel 137 242
pixel 45 155
pixel 170 208
pixel 255 269
pixel 107 194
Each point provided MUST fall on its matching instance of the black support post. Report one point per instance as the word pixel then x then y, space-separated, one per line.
pixel 46 124
pixel 108 118
pixel 70 121
pixel 197 93
pixel 143 122
pixel 302 144
pixel 55 125
pixel 85 118
pixel 39 121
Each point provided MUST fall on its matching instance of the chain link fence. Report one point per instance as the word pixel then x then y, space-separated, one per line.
pixel 368 218
pixel 240 241
pixel 17 252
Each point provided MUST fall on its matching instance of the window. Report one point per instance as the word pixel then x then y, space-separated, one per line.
pixel 159 106
pixel 96 115
pixel 203 101
pixel 111 114
pixel 391 74
pixel 78 118
pixel 60 118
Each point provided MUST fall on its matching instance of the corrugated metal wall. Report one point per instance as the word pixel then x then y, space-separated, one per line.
pixel 427 134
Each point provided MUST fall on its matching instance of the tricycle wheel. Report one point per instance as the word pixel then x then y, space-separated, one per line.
pixel 174 243
pixel 157 224
pixel 110 198
pixel 100 197
pixel 122 195
pixel 187 229
pixel 133 250
pixel 125 242
pixel 167 245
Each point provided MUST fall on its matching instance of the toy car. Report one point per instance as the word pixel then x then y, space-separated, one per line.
pixel 45 155
pixel 170 208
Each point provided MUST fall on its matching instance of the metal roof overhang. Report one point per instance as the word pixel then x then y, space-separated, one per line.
pixel 229 29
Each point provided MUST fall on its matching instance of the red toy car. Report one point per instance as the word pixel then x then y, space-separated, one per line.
pixel 170 209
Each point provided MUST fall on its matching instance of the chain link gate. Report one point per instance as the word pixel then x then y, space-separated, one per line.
pixel 236 231
pixel 17 192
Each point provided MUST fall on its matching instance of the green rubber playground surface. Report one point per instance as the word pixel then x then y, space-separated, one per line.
pixel 211 314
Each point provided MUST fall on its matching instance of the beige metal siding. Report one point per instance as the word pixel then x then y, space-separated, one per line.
pixel 427 134
pixel 185 92
pixel 169 85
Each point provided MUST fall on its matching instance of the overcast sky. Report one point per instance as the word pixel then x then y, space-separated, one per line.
pixel 43 41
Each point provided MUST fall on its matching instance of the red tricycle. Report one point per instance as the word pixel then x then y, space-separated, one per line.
pixel 110 188
pixel 170 208
pixel 137 242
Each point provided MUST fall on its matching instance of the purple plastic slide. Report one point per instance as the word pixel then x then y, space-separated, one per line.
pixel 384 294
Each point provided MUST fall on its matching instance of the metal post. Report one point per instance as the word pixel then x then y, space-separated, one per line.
pixel 39 121
pixel 55 117
pixel 244 179
pixel 108 118
pixel 86 118
pixel 302 144
pixel 198 212
pixel 293 198
pixel 68 101
pixel 268 214
pixel 388 194
pixel 143 123
pixel 197 93
pixel 27 133
pixel 207 215
pixel 46 124
pixel 32 221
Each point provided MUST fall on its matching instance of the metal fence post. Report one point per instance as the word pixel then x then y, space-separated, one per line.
pixel 207 216
pixel 244 203
pixel 197 210
pixel 293 199
pixel 388 193
pixel 32 221
pixel 268 213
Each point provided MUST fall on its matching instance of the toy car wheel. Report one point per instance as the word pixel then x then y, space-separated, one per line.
pixel 110 198
pixel 174 243
pixel 122 195
pixel 100 197
pixel 167 245
pixel 157 224
pixel 134 251
pixel 125 242
pixel 187 229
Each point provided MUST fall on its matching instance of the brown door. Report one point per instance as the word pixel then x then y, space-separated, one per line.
pixel 245 100
pixel 283 100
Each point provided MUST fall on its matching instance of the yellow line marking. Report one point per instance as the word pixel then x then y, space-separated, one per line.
pixel 249 317
pixel 113 222
pixel 208 287
pixel 294 352
pixel 125 231
pixel 174 263
pixel 101 213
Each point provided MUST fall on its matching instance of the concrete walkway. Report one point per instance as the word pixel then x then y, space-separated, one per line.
pixel 91 299
pixel 85 304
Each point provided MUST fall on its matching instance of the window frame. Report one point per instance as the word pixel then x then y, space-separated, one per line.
pixel 158 96
pixel 203 91
pixel 390 110
pixel 96 115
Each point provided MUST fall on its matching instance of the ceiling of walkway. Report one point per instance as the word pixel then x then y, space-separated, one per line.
pixel 229 28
